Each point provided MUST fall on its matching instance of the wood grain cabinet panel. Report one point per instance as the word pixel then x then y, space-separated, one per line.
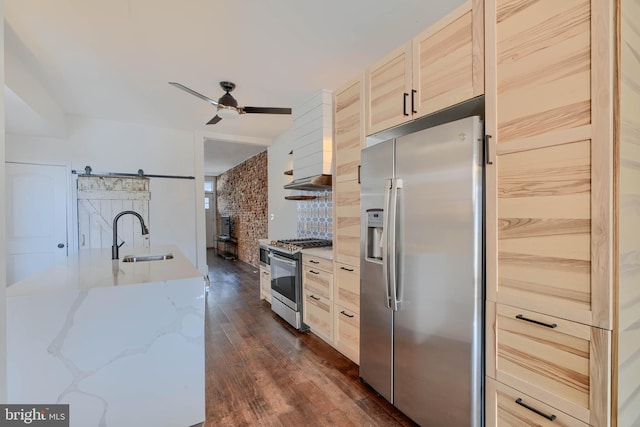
pixel 443 64
pixel 317 262
pixel 347 242
pixel 561 112
pixel 347 332
pixel 317 293
pixel 561 363
pixel 507 407
pixel 441 67
pixel 544 230
pixel 318 281
pixel 318 314
pixel 543 60
pixel 347 287
pixel 348 137
pixel 386 83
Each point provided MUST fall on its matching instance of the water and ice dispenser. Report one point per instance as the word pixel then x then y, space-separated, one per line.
pixel 375 229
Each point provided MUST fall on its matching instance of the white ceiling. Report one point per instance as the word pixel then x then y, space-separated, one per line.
pixel 112 59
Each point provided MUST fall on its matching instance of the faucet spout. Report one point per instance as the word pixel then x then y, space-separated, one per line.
pixel 115 248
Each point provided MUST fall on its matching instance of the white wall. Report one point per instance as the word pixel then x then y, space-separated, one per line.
pixel 282 213
pixel 3 237
pixel 109 146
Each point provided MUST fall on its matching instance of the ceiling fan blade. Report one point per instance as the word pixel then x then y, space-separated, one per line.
pixel 215 120
pixel 193 92
pixel 266 110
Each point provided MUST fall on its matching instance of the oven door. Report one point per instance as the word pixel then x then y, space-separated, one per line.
pixel 283 276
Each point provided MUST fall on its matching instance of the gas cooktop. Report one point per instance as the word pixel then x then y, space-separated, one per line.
pixel 294 245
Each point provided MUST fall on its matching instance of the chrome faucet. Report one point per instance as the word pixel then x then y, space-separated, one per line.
pixel 115 247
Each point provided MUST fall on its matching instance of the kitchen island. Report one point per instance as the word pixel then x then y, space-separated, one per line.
pixel 121 342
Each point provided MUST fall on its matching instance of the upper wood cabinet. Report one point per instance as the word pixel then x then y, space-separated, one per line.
pixel 441 67
pixel 388 87
pixel 349 135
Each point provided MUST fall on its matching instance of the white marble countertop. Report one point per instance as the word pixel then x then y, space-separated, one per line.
pixel 94 268
pixel 320 252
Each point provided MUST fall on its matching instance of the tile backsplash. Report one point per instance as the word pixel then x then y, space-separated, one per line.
pixel 315 217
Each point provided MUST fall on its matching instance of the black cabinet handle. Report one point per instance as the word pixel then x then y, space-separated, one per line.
pixel 346 269
pixel 313 261
pixel 542 414
pixel 313 272
pixel 348 315
pixel 404 104
pixel 487 153
pixel 359 167
pixel 413 108
pixel 314 297
pixel 548 325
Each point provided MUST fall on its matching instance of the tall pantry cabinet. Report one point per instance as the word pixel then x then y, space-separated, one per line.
pixel 563 216
pixel 348 141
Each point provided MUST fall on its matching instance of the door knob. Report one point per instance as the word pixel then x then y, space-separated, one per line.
pixel 61 245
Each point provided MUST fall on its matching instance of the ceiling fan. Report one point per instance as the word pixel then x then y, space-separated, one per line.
pixel 228 106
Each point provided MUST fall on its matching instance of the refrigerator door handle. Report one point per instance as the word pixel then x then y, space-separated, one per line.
pixel 385 240
pixel 393 226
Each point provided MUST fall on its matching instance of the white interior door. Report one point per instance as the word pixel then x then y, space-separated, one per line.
pixel 36 218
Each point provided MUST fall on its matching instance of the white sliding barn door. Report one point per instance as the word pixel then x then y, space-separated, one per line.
pixel 100 199
pixel 36 221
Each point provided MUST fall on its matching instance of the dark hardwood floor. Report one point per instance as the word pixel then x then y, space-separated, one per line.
pixel 262 372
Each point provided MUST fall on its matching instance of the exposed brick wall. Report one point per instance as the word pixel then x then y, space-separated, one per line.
pixel 242 193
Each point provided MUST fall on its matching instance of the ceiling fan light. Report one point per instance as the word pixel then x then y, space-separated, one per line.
pixel 225 112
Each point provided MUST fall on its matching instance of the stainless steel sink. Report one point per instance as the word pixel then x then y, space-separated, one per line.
pixel 147 257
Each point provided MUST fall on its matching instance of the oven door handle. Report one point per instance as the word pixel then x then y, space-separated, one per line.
pixel 282 260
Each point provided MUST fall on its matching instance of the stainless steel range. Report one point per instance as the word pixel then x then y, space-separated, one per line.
pixel 286 277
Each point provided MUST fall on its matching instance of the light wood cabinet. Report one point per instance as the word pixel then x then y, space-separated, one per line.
pixel 347 332
pixel 439 68
pixel 318 314
pixel 349 137
pixel 349 140
pixel 553 360
pixel 508 407
pixel 388 88
pixel 562 118
pixel 265 284
pixel 346 300
pixel 316 262
pixel 317 293
pixel 347 287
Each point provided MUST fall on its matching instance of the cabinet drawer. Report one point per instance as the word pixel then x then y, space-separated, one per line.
pixel 318 315
pixel 347 332
pixel 506 407
pixel 317 263
pixel 347 287
pixel 318 281
pixel 559 362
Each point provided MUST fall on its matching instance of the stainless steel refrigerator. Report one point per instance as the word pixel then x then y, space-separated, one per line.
pixel 422 287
